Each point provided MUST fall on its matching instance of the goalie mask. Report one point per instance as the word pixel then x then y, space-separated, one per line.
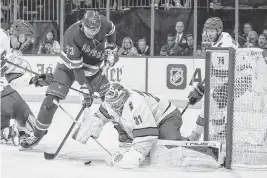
pixel 91 23
pixel 23 31
pixel 116 97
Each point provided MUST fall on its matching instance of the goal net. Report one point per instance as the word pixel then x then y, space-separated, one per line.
pixel 236 105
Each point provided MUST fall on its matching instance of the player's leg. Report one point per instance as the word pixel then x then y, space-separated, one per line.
pixel 169 128
pixel 14 115
pixel 199 128
pixel 55 91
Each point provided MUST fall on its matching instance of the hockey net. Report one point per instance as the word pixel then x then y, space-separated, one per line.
pixel 236 105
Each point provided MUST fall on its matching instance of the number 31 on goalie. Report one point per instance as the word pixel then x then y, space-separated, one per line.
pixel 220 61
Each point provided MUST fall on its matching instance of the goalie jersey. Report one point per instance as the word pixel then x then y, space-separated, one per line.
pixel 142 114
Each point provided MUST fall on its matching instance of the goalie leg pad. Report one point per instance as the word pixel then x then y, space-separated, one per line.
pixel 90 126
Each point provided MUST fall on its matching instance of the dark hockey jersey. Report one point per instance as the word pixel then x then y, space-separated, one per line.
pixel 78 49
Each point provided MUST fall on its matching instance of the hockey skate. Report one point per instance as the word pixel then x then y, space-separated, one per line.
pixel 15 136
pixel 12 133
pixel 31 141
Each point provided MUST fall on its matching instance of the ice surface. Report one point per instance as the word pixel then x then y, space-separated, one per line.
pixel 69 163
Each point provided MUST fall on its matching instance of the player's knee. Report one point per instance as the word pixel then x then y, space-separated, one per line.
pixel 49 104
pixel 200 121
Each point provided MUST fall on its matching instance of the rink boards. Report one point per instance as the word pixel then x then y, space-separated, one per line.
pixel 172 77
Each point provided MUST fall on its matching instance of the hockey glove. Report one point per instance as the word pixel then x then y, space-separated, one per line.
pixel 196 95
pixel 42 80
pixel 127 160
pixel 87 99
pixel 111 55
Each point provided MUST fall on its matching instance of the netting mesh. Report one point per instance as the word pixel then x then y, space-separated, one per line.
pixel 249 118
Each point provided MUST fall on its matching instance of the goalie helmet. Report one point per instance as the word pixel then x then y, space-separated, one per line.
pixel 213 23
pixel 91 19
pixel 116 96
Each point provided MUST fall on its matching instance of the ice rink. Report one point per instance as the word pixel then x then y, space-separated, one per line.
pixel 70 161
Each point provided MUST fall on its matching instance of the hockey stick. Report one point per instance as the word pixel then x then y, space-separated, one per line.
pixel 187 105
pixel 49 156
pixel 75 121
pixel 35 73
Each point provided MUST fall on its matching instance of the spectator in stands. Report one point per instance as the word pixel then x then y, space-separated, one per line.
pixel 190 45
pixel 180 35
pixel 262 42
pixel 247 28
pixel 252 38
pixel 143 48
pixel 127 48
pixel 166 49
pixel 249 45
pixel 241 39
pixel 49 45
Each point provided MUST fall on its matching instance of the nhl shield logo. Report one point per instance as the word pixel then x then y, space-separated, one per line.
pixel 176 76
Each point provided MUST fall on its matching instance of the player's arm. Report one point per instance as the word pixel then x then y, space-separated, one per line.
pixel 111 34
pixel 111 47
pixel 145 134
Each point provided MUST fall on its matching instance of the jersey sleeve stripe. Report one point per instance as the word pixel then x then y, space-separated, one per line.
pixel 72 64
pixel 112 30
pixel 144 132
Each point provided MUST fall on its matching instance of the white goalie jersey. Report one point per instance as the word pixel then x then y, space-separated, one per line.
pixel 10 74
pixel 141 115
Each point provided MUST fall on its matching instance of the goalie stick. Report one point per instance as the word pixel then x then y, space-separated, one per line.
pixel 35 73
pixel 75 121
pixel 50 156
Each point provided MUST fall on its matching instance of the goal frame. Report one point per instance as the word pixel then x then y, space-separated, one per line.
pixel 230 100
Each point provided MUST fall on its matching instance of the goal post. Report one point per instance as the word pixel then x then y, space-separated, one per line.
pixel 235 105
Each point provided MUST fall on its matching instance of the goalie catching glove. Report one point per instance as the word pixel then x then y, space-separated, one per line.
pixel 42 80
pixel 196 95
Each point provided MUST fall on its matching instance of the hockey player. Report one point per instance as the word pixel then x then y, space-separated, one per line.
pixel 143 116
pixel 213 36
pixel 84 52
pixel 13 107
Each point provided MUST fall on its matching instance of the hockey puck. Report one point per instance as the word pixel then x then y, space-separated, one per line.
pixel 87 162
